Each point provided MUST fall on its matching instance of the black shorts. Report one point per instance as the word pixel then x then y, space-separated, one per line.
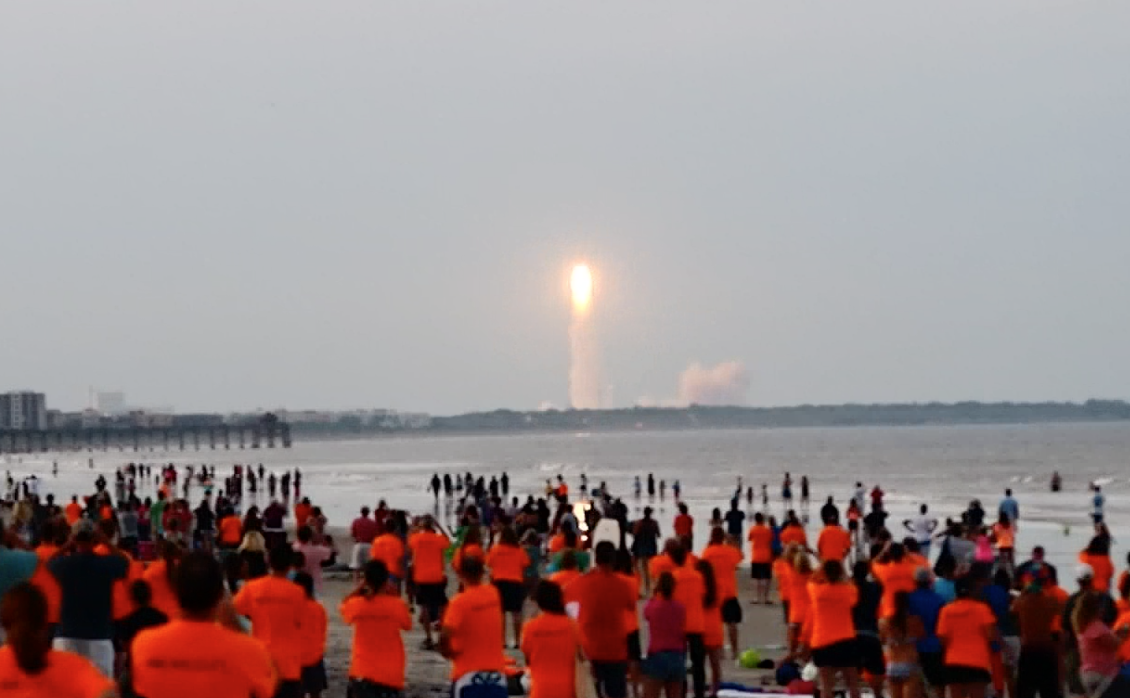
pixel 635 651
pixel 870 653
pixel 838 655
pixel 289 689
pixel 731 611
pixel 933 668
pixel 432 597
pixel 958 675
pixel 513 596
pixel 314 678
pixel 363 688
pixel 760 571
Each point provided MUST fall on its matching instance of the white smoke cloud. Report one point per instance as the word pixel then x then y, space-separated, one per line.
pixel 723 384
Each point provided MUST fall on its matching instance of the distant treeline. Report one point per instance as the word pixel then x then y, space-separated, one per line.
pixel 701 417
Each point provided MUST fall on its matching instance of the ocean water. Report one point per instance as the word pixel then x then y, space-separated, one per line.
pixel 943 466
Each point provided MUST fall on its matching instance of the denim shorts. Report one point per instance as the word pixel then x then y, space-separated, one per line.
pixel 667 667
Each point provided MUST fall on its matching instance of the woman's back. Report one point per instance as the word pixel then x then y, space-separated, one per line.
pixel 667 625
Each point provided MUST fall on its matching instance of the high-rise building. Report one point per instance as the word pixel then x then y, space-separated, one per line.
pixel 111 403
pixel 23 410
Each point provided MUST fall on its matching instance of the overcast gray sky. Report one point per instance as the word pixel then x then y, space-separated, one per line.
pixel 221 205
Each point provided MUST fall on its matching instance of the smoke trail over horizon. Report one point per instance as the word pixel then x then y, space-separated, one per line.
pixel 584 371
pixel 721 385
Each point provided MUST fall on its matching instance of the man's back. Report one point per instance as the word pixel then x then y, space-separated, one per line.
pixel 274 606
pixel 86 581
pixel 605 601
pixel 187 659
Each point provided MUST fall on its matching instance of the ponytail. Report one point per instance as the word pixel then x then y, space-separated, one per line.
pixel 23 615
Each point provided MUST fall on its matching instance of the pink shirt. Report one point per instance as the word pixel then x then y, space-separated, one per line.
pixel 315 556
pixel 1093 656
pixel 666 625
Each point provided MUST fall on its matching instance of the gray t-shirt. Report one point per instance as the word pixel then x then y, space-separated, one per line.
pixel 127 520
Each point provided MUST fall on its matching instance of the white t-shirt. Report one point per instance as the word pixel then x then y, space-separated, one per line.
pixel 922 528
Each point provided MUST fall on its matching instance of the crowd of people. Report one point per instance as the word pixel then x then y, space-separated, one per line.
pixel 111 595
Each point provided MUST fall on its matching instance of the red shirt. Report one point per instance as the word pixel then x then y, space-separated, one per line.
pixel 363 530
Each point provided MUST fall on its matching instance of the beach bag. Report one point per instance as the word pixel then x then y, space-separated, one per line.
pixel 585 686
pixel 480 684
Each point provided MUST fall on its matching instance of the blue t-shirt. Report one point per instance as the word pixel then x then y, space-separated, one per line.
pixel 945 589
pixel 927 605
pixel 1010 508
pixel 16 566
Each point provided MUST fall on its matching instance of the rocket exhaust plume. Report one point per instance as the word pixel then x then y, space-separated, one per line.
pixel 584 375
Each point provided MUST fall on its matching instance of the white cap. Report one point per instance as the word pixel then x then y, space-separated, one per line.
pixel 1084 572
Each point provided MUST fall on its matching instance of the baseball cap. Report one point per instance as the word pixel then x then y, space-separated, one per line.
pixel 1084 572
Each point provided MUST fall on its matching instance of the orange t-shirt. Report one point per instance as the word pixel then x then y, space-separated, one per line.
pixel 46 582
pixel 66 676
pixel 964 627
pixel 472 550
pixel 761 545
pixel 551 642
pixel 565 579
pixel 106 512
pixel 473 621
pixel 793 534
pixel 633 616
pixel 557 543
pixel 799 600
pixel 428 548
pixel 1061 596
pixel 689 590
pixel 164 597
pixel 724 559
pixel 831 613
pixel 507 563
pixel 1121 624
pixel 301 513
pixel 73 513
pixel 713 632
pixel 783 571
pixel 605 601
pixel 684 525
pixel 895 577
pixel 662 563
pixel 314 630
pixel 275 607
pixel 189 659
pixel 1104 570
pixel 378 646
pixel 388 548
pixel 1005 535
pixel 834 543
pixel 231 530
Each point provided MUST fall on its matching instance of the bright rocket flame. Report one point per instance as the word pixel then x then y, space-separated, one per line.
pixel 580 283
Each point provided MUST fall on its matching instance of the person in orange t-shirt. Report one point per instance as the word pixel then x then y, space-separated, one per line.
pixel 379 620
pixel 896 573
pixel 472 631
pixel 799 600
pixel 302 511
pixel 314 631
pixel 626 570
pixel 725 557
pixel 967 628
pixel 1004 535
pixel 231 532
pixel 389 549
pixel 196 655
pixel 54 537
pixel 507 562
pixel 73 511
pixel 834 542
pixel 471 546
pixel 29 668
pixel 684 526
pixel 160 576
pixel 551 643
pixel 663 562
pixel 761 558
pixel 604 601
pixel 793 531
pixel 830 634
pixel 428 548
pixel 783 572
pixel 274 604
pixel 1097 555
pixel 713 629
pixel 690 590
pixel 566 573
